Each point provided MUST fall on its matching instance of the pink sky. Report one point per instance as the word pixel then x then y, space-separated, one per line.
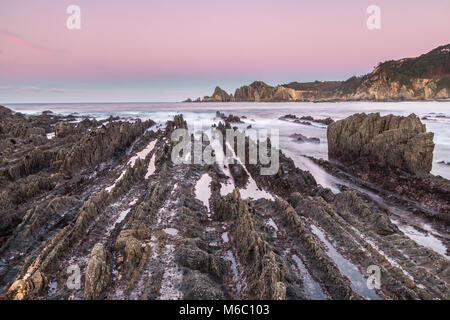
pixel 169 50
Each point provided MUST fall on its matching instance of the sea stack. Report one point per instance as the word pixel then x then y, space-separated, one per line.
pixel 389 141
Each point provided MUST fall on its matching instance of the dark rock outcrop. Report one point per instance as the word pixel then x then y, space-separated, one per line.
pixel 131 247
pixel 306 120
pixel 189 255
pixel 219 95
pixel 240 177
pixel 98 273
pixel 266 270
pixel 389 141
pixel 230 118
pixel 298 137
pixel 100 145
pixel 326 121
pixel 28 287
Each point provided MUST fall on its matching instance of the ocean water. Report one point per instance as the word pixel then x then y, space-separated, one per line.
pixel 265 116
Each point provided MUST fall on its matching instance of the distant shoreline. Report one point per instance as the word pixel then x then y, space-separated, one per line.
pixel 426 77
pixel 318 101
pixel 48 104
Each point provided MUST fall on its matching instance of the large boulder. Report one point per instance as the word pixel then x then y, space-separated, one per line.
pixel 28 287
pixel 63 129
pixel 98 273
pixel 131 245
pixel 389 141
pixel 190 256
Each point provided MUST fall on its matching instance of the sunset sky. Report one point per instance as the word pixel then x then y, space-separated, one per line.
pixel 144 50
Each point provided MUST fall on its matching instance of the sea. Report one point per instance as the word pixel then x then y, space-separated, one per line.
pixel 262 115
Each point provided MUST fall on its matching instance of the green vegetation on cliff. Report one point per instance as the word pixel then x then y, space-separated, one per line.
pixel 421 78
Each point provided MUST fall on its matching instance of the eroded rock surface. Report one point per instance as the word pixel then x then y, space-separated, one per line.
pixel 138 226
pixel 98 273
pixel 389 141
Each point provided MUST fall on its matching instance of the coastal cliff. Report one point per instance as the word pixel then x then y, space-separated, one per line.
pixel 426 77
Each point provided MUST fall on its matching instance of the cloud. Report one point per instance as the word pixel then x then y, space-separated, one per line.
pixel 39 89
pixel 5 87
pixel 28 44
pixel 30 88
pixel 57 90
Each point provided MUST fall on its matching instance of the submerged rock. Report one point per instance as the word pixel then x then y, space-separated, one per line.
pixel 230 118
pixel 306 120
pixel 298 137
pixel 326 121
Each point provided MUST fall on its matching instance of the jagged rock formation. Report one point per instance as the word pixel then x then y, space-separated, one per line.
pixel 422 78
pixel 389 141
pixel 138 226
pixel 100 146
pixel 326 121
pixel 98 273
pixel 228 119
pixel 298 137
pixel 28 287
pixel 259 91
pixel 219 95
pixel 392 156
pixel 266 276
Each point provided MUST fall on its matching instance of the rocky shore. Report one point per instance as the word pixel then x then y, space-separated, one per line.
pixel 103 199
pixel 426 77
pixel 395 153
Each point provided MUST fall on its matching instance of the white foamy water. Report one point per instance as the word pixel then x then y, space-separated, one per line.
pixel 272 223
pixel 143 153
pixel 312 287
pixel 171 231
pixel 252 191
pixel 265 115
pixel 116 181
pixel 234 270
pixel 122 215
pixel 151 167
pixel 347 268
pixel 225 237
pixel 203 189
pixel 427 240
